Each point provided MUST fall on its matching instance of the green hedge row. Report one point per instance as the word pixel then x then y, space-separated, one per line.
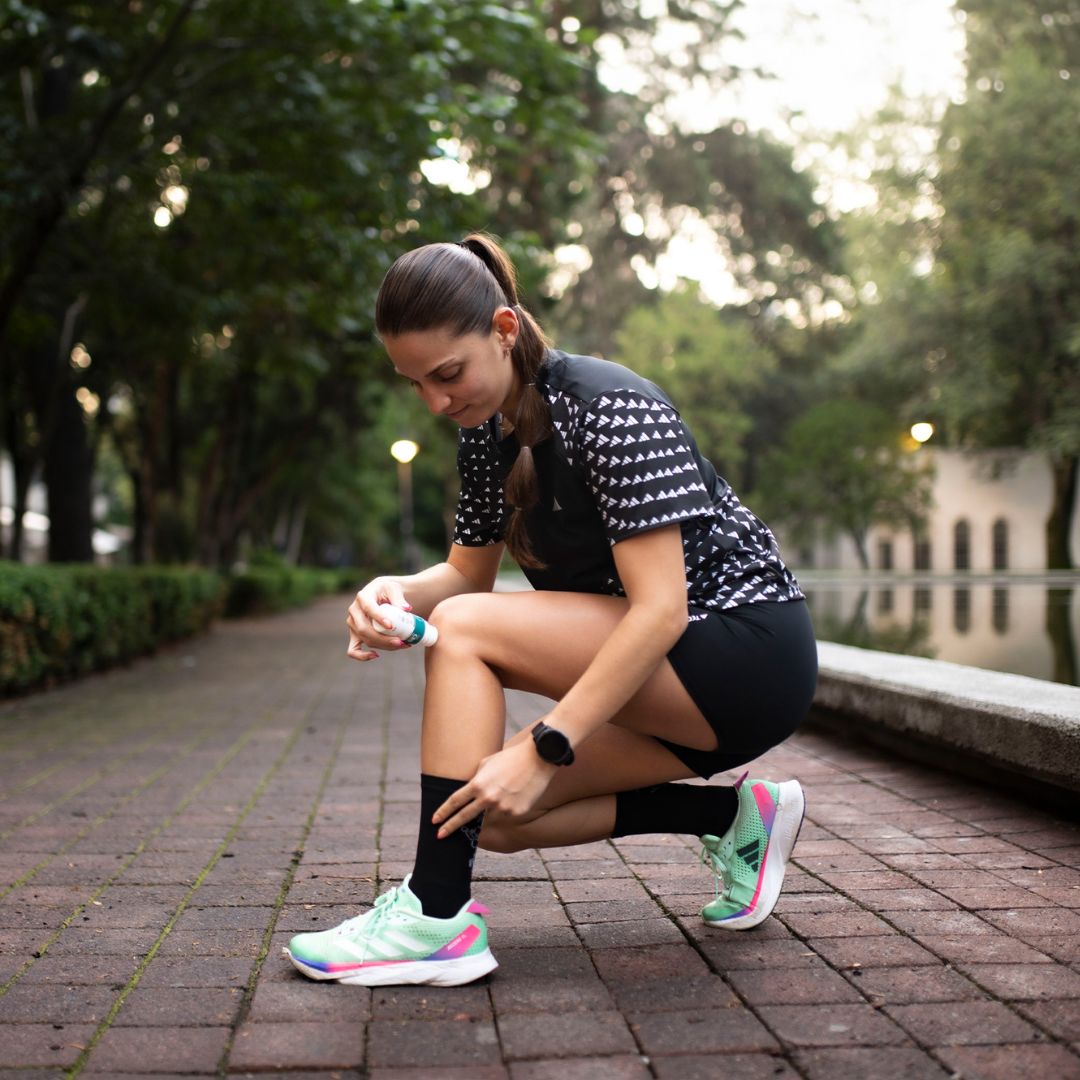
pixel 59 622
pixel 261 590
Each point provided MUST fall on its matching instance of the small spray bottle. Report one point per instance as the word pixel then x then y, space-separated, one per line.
pixel 410 628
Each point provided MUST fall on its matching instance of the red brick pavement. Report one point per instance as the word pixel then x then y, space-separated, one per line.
pixel 165 828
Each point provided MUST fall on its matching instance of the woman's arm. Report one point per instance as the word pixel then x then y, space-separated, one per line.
pixel 467 569
pixel 653 574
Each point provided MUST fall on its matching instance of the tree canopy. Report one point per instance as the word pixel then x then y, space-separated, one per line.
pixel 204 198
pixel 199 200
pixel 972 319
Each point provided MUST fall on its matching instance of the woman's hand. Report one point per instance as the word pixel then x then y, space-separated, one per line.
pixel 363 619
pixel 510 781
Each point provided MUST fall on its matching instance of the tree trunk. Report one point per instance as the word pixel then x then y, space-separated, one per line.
pixel 23 478
pixel 1059 523
pixel 69 470
pixel 858 538
pixel 295 536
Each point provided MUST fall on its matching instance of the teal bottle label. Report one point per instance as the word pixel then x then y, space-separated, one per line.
pixel 418 631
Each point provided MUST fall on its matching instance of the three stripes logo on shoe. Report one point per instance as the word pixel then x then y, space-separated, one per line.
pixel 751 854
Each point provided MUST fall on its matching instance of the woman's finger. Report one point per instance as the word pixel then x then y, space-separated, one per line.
pixel 357 650
pixel 458 810
pixel 466 814
pixel 455 802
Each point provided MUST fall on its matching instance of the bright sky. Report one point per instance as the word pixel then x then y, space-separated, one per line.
pixel 834 62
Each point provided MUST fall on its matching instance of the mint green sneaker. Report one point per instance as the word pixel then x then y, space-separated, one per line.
pixel 750 858
pixel 395 943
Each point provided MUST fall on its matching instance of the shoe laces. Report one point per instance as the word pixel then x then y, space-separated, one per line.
pixel 369 921
pixel 716 862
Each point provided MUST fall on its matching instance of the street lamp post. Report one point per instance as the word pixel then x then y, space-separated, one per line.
pixel 403 451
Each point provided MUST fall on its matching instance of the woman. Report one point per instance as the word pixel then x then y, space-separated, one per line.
pixel 664 626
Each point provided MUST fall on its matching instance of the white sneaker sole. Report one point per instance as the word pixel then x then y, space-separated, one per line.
pixel 465 969
pixel 790 811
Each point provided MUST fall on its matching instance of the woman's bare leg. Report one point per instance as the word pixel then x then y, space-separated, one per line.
pixel 540 642
pixel 490 642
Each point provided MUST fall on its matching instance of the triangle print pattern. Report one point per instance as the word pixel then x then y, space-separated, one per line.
pixel 639 464
pixel 627 447
pixel 481 507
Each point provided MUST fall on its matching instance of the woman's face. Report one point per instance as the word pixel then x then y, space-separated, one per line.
pixel 467 377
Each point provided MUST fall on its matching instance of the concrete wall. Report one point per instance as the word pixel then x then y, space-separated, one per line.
pixel 1019 725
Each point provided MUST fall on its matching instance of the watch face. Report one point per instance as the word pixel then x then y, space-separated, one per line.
pixel 552 745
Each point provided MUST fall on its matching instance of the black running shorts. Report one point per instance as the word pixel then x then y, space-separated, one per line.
pixel 752 671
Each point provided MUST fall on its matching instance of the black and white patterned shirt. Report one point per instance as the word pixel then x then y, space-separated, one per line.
pixel 620 462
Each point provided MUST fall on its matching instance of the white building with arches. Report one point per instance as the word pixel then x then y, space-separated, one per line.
pixel 988 513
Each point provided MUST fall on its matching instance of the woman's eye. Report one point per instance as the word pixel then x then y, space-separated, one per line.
pixel 449 376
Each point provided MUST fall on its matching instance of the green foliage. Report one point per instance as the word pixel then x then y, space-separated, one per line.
pixel 659 178
pixel 281 148
pixel 60 622
pixel 842 465
pixel 968 265
pixel 707 361
pixel 1008 262
pixel 261 590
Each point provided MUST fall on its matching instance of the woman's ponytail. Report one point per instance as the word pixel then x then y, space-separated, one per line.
pixel 532 417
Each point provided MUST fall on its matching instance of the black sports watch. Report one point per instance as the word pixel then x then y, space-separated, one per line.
pixel 553 746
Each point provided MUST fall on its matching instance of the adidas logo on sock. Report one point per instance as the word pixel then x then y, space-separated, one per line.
pixel 751 855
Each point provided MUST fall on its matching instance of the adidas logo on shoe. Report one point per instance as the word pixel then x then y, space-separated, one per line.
pixel 751 854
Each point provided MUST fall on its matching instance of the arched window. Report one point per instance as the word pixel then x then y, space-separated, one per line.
pixel 962 545
pixel 922 559
pixel 1000 534
pixel 885 559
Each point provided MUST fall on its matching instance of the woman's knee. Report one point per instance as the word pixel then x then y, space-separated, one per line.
pixel 460 620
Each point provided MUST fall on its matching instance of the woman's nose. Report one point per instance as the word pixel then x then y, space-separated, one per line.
pixel 437 401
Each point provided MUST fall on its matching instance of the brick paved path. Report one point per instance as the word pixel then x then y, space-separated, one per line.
pixel 164 829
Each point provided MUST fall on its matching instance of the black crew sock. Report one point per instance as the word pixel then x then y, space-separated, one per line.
pixel 675 808
pixel 442 875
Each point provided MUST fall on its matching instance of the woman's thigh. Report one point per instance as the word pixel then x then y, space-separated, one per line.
pixel 542 642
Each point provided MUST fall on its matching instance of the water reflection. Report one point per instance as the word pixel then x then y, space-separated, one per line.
pixel 1028 627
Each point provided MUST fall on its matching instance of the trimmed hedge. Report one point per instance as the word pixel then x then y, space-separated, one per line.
pixel 262 590
pixel 61 621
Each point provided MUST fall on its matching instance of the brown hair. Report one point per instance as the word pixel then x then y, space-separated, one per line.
pixel 458 287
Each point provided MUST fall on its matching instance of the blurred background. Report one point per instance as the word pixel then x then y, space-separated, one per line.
pixel 842 234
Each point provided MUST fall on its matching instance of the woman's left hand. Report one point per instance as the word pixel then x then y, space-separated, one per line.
pixel 510 782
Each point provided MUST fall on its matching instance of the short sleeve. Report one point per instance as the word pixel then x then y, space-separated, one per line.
pixel 479 518
pixel 640 465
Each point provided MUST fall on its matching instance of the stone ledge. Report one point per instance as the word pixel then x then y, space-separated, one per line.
pixel 1017 724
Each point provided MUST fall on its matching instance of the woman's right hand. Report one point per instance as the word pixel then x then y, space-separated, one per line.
pixel 363 617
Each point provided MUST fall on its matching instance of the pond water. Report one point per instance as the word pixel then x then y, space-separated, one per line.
pixel 1026 625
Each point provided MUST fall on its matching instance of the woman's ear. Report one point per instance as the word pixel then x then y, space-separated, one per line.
pixel 506 325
